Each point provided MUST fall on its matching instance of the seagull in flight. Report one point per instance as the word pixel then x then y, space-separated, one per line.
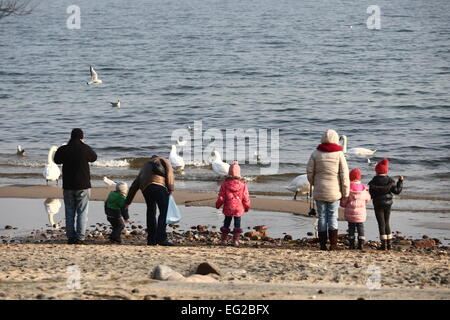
pixel 94 78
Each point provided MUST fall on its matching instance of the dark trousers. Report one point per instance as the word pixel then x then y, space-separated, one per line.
pixel 352 226
pixel 156 195
pixel 227 222
pixel 117 225
pixel 382 213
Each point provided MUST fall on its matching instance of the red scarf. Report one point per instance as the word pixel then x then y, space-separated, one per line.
pixel 329 147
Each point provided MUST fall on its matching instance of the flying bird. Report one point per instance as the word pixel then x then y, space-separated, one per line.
pixel 94 78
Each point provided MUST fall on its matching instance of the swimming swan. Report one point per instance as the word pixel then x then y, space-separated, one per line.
pixel 359 152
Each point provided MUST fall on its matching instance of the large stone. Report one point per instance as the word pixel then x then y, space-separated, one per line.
pixel 425 243
pixel 207 268
pixel 162 272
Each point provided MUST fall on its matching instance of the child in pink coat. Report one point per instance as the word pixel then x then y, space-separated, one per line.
pixel 234 197
pixel 355 208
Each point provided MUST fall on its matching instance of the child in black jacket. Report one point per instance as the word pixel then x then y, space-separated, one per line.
pixel 381 188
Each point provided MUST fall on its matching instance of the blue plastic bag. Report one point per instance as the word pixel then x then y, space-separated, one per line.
pixel 173 213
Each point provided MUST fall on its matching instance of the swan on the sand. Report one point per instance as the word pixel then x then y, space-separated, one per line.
pixel 51 170
pixel 359 152
pixel 176 161
pixel 52 207
pixel 115 104
pixel 94 77
pixel 218 165
pixel 109 182
pixel 20 151
pixel 300 185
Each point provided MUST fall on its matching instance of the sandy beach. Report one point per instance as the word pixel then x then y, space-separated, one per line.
pixel 30 271
pixel 275 269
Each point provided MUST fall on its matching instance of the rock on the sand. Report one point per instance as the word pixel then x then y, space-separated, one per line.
pixel 162 272
pixel 207 268
pixel 425 243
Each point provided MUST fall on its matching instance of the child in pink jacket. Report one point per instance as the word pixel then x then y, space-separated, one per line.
pixel 355 208
pixel 234 197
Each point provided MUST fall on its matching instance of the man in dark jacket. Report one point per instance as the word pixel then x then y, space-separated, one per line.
pixel 75 158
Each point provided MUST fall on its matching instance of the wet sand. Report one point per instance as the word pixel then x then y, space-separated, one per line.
pixel 185 197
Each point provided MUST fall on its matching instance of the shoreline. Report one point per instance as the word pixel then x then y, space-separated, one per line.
pixel 182 197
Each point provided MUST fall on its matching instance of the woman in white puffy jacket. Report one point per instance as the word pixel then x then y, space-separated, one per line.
pixel 327 171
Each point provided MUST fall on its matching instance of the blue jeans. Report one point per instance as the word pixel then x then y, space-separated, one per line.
pixel 76 205
pixel 328 215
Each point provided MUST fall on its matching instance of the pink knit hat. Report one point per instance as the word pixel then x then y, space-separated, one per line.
pixel 235 170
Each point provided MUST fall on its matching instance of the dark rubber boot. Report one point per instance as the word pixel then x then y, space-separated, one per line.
pixel 360 244
pixel 351 244
pixel 323 240
pixel 388 244
pixel 383 245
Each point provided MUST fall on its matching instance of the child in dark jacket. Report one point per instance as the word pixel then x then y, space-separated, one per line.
pixel 115 211
pixel 381 188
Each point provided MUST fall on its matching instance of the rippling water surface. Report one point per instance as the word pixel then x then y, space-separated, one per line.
pixel 297 66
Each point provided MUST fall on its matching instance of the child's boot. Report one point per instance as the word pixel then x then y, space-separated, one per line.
pixel 360 244
pixel 388 244
pixel 351 241
pixel 236 236
pixel 383 244
pixel 224 238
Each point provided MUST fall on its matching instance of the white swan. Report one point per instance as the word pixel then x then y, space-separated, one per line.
pixel 20 151
pixel 52 207
pixel 94 77
pixel 359 152
pixel 218 165
pixel 299 185
pixel 115 104
pixel 176 161
pixel 51 170
pixel 109 182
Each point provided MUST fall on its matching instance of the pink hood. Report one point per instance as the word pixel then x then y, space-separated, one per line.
pixel 355 203
pixel 234 197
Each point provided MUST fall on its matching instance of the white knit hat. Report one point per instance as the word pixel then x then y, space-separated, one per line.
pixel 122 187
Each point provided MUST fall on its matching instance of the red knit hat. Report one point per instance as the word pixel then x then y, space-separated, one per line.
pixel 235 170
pixel 355 175
pixel 382 167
